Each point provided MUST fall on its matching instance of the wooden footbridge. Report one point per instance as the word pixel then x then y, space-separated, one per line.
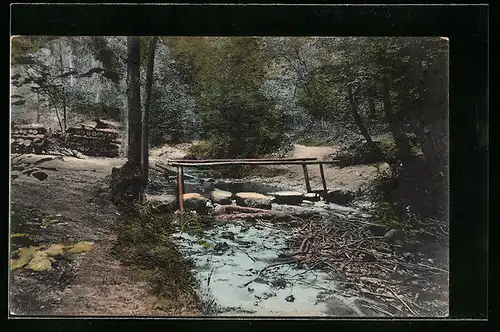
pixel 180 164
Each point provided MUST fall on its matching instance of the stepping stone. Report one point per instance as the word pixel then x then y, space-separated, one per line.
pixel 313 197
pixel 340 196
pixel 195 202
pixel 162 203
pixel 221 197
pixel 255 200
pixel 288 197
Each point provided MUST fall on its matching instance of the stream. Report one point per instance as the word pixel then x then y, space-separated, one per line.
pixel 240 271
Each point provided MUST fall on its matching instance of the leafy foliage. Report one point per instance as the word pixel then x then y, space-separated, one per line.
pixel 226 76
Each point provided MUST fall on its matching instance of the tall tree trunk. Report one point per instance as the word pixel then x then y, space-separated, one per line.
pixel 127 181
pixel 359 121
pixel 38 108
pixel 402 144
pixel 134 102
pixel 134 153
pixel 63 90
pixel 371 105
pixel 424 136
pixel 147 106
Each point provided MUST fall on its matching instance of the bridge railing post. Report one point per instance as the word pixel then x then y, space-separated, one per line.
pixel 306 177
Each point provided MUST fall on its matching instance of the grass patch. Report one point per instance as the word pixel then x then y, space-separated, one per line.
pixel 144 242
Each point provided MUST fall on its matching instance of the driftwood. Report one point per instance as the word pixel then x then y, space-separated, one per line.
pixel 233 212
pixel 368 265
pixel 255 216
pixel 227 209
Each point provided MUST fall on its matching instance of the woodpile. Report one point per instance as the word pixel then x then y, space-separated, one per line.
pixel 28 139
pixel 99 138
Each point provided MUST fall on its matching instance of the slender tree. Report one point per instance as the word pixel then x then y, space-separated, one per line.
pixel 134 102
pixel 145 114
pixel 62 87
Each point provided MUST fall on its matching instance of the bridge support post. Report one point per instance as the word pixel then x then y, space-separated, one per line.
pixel 180 186
pixel 306 177
pixel 323 177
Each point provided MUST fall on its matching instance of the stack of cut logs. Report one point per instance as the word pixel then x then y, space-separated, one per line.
pixel 98 138
pixel 28 139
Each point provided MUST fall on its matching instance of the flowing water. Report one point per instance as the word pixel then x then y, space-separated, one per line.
pixel 239 269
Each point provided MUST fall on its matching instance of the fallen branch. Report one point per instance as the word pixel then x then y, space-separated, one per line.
pixel 231 212
pixel 311 267
pixel 377 294
pixel 358 242
pixel 227 209
pixel 268 267
pixel 402 301
pixel 210 276
pixel 262 215
pixel 432 267
pixel 370 306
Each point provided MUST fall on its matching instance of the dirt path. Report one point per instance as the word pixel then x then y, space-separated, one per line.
pixel 352 178
pixel 91 283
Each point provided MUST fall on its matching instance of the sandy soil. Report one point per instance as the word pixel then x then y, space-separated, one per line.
pixel 92 283
pixel 353 177
pixel 170 151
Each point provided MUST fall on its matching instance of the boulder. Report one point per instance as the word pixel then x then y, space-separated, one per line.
pixel 288 197
pixel 255 200
pixel 195 202
pixel 313 197
pixel 340 196
pixel 221 197
pixel 162 203
pixel 393 235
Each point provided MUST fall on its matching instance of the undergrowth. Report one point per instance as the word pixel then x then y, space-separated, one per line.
pixel 398 205
pixel 144 242
pixel 359 152
pixel 207 150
